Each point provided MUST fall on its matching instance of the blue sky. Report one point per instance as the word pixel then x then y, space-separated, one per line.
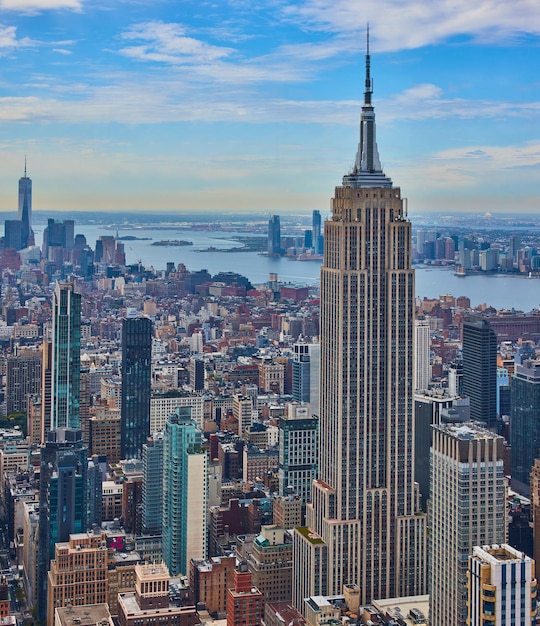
pixel 253 105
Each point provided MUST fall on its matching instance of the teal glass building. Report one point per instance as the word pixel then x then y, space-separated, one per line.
pixel 184 519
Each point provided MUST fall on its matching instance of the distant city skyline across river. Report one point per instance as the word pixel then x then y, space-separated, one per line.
pixel 500 290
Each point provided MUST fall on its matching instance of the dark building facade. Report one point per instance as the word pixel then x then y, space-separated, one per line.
pixel 480 368
pixel 23 380
pixel 525 423
pixel 301 373
pixel 136 385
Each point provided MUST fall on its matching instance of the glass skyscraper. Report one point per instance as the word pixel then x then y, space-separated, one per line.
pixel 274 235
pixel 66 357
pixel 136 385
pixel 25 210
pixel 185 493
pixel 480 368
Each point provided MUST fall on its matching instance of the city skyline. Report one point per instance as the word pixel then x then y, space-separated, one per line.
pixel 134 106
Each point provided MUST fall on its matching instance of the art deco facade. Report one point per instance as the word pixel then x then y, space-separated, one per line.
pixel 365 502
pixel 78 574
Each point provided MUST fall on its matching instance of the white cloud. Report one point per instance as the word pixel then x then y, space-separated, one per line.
pixel 9 41
pixel 37 6
pixel 428 101
pixel 169 43
pixel 406 24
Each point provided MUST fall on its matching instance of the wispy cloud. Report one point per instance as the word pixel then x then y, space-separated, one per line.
pixel 37 6
pixel 139 98
pixel 412 24
pixel 169 43
pixel 428 101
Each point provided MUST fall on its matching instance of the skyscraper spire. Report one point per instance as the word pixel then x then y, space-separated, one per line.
pixel 25 209
pixel 367 170
pixel 364 521
pixel 369 82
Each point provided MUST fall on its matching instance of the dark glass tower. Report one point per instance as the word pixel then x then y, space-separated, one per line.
pixel 136 385
pixel 480 369
pixel 525 423
pixel 274 235
pixel 301 373
pixel 63 496
pixel 66 358
pixel 316 232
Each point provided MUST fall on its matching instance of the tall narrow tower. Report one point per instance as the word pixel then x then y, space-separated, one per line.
pixel 365 503
pixel 66 358
pixel 136 385
pixel 25 209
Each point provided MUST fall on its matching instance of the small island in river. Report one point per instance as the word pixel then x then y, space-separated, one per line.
pixel 172 242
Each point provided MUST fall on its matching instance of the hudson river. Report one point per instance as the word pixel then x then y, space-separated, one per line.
pixel 500 291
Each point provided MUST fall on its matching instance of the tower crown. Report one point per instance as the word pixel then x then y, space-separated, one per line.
pixel 367 170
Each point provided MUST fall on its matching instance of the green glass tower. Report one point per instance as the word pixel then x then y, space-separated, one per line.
pixel 184 493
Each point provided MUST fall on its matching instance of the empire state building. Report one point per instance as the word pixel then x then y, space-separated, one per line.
pixel 364 520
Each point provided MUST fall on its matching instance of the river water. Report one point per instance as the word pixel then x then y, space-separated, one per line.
pixel 500 291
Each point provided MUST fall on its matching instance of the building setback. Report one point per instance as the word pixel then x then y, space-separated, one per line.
pixel 365 505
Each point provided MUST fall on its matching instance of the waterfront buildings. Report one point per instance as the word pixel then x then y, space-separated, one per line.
pixel 525 423
pixel 184 504
pixel 502 587
pixel 66 357
pixel 467 509
pixel 365 504
pixel 136 385
pixel 480 369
